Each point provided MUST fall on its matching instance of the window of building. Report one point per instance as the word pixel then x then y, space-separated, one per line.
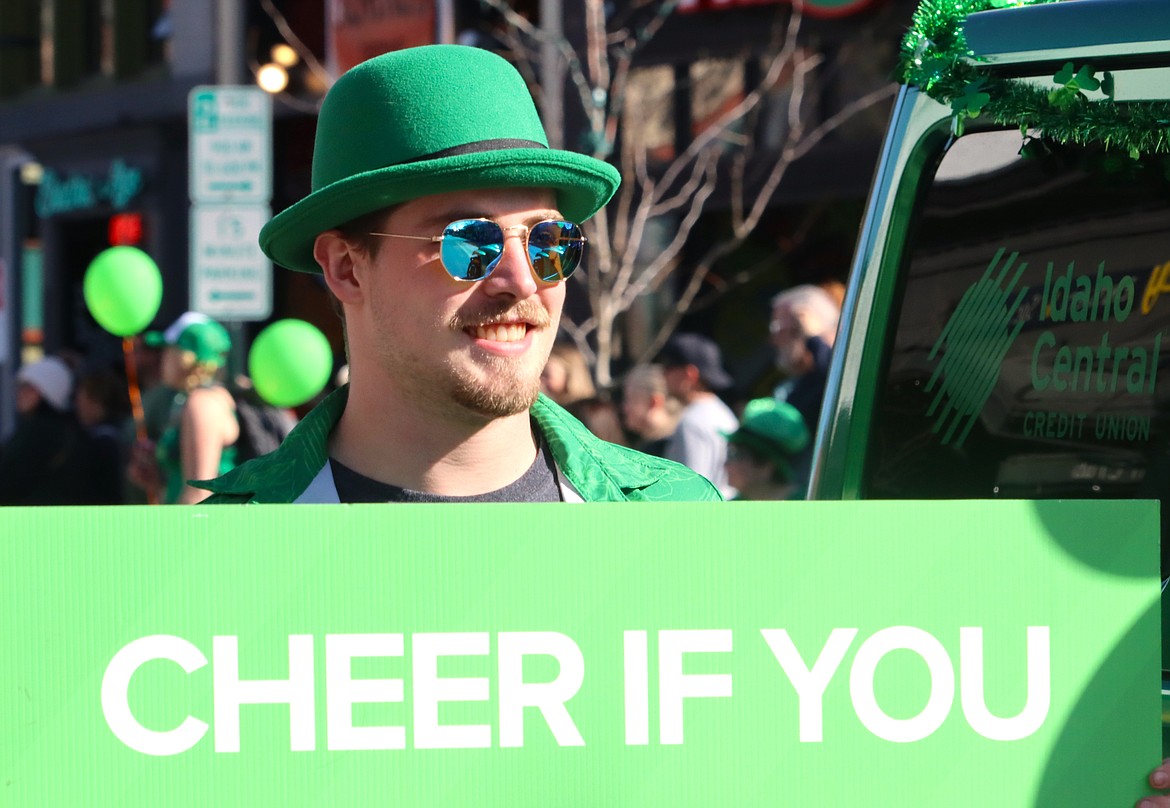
pixel 19 43
pixel 716 87
pixel 648 119
pixel 115 39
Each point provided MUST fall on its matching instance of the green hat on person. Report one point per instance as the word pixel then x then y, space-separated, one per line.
pixel 774 430
pixel 209 342
pixel 200 335
pixel 424 121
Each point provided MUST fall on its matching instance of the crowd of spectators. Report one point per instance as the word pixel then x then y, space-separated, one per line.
pixel 683 406
pixel 76 441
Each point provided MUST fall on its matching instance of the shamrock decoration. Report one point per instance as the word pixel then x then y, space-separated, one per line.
pixel 1107 84
pixel 1071 83
pixel 932 69
pixel 936 59
pixel 969 104
pixel 1033 147
pixel 1082 79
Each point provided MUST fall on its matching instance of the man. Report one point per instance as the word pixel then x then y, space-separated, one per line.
pixel 648 408
pixel 804 325
pixel 694 372
pixel 444 227
pixel 40 463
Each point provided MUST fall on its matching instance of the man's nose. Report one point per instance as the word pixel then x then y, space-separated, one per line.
pixel 513 274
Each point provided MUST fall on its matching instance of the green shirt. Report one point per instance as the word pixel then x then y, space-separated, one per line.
pixel 598 471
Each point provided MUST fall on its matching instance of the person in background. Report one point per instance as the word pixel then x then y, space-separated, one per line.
pixel 566 378
pixel 648 409
pixel 760 454
pixel 601 416
pixel 38 464
pixel 199 439
pixel 158 399
pixel 693 366
pixel 803 327
pixel 100 403
pixel 263 426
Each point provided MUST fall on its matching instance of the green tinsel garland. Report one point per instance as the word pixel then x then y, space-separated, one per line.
pixel 934 59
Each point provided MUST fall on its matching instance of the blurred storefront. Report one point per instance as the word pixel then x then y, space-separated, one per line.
pixel 94 131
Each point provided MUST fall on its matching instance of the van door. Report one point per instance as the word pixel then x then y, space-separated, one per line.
pixel 1007 328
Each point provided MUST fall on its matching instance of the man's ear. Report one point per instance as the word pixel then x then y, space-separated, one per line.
pixel 338 259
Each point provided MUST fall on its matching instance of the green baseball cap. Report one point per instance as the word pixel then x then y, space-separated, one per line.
pixel 200 335
pixel 773 429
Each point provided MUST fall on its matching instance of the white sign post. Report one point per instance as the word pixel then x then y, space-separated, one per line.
pixel 231 279
pixel 230 188
pixel 231 144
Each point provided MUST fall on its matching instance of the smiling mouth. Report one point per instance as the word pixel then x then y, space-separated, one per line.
pixel 500 332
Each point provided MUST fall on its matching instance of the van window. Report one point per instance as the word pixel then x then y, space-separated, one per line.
pixel 1032 331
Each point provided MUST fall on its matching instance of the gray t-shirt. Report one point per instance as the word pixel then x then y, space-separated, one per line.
pixel 538 484
pixel 699 443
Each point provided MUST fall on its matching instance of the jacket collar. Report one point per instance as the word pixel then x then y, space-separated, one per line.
pixel 281 475
pixel 592 466
pixel 599 471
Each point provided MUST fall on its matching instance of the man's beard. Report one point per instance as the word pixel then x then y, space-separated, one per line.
pixel 790 359
pixel 510 390
pixel 497 401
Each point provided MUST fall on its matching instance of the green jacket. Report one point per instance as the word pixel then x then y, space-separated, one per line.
pixel 596 470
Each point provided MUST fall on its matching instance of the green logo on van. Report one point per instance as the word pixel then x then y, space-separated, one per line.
pixel 972 346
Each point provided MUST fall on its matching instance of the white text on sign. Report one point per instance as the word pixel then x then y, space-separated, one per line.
pixel 552 698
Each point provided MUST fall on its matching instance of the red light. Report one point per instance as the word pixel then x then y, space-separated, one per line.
pixel 125 229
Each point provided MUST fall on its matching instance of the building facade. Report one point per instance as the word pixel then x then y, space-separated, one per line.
pixel 94 130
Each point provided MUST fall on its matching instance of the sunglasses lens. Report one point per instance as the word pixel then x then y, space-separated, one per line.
pixel 471 248
pixel 555 249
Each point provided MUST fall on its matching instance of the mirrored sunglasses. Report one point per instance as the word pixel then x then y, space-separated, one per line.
pixel 472 248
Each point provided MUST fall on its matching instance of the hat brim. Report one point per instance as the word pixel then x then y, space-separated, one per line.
pixel 582 184
pixel 767 449
pixel 718 379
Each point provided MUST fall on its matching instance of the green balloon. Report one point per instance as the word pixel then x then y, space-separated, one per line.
pixel 123 290
pixel 290 362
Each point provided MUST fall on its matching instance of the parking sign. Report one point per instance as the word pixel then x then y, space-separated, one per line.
pixel 230 186
pixel 231 279
pixel 231 144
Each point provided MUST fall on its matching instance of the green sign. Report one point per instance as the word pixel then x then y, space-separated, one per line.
pixel 73 192
pixel 877 653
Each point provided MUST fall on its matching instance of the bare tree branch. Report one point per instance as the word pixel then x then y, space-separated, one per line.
pixel 575 70
pixel 834 122
pixel 619 271
pixel 665 260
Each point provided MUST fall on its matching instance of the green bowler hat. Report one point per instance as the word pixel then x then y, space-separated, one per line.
pixel 424 121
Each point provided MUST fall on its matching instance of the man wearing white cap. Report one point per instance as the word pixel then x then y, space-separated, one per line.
pixel 38 465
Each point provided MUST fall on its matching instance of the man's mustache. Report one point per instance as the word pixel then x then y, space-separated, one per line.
pixel 526 311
